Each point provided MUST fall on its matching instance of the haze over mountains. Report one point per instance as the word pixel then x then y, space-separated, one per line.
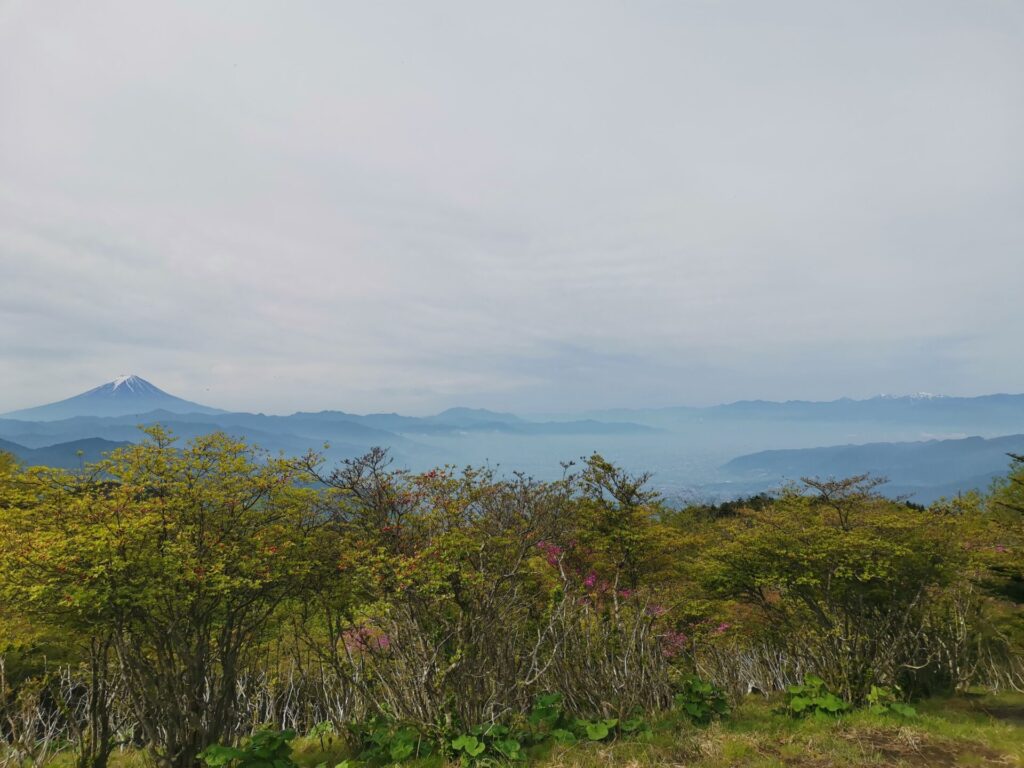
pixel 919 441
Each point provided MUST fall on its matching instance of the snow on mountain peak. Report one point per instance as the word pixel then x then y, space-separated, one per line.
pixel 130 381
pixel 125 395
pixel 912 396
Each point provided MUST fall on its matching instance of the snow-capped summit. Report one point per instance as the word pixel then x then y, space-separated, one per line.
pixel 123 396
pixel 912 396
pixel 130 383
pixel 130 380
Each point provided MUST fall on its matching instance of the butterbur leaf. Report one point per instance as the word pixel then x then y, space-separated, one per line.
pixel 400 750
pixel 461 742
pixel 596 731
pixel 631 725
pixel 562 736
pixel 832 703
pixel 407 734
pixel 508 747
pixel 548 715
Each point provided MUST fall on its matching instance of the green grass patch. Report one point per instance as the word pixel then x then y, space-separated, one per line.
pixel 970 730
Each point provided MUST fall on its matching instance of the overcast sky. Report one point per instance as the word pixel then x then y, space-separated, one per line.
pixel 520 205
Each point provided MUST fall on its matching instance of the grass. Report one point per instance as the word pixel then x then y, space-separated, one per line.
pixel 961 731
pixel 983 731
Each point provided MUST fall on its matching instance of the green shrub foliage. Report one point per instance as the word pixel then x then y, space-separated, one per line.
pixel 812 697
pixel 701 701
pixel 180 596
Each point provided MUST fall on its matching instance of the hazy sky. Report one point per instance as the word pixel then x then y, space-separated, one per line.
pixel 525 205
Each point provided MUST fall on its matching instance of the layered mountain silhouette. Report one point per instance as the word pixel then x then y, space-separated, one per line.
pixel 63 455
pixel 115 412
pixel 123 396
pixel 997 413
pixel 924 470
pixel 692 451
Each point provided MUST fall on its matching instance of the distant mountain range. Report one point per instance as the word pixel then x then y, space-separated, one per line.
pixel 64 455
pixel 925 469
pixel 926 444
pixel 1001 412
pixel 120 397
pixel 116 410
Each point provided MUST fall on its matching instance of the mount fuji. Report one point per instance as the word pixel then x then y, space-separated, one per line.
pixel 124 396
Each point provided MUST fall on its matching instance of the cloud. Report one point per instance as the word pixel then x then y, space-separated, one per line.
pixel 407 206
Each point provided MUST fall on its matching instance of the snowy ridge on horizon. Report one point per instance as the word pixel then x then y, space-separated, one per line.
pixel 911 396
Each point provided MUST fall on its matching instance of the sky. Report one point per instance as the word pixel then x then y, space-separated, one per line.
pixel 531 206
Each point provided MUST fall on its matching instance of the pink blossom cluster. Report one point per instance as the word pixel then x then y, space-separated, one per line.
pixel 595 584
pixel 673 643
pixel 552 552
pixel 365 639
pixel 554 555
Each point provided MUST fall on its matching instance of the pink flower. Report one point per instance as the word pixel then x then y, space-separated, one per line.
pixel 590 581
pixel 365 639
pixel 551 551
pixel 625 594
pixel 721 628
pixel 673 643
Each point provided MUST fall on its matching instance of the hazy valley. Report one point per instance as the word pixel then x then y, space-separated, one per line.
pixel 927 446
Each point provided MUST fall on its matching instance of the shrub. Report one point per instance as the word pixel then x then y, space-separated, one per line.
pixel 844 579
pixel 885 700
pixel 381 738
pixel 487 743
pixel 701 701
pixel 455 624
pixel 265 749
pixel 181 556
pixel 812 697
